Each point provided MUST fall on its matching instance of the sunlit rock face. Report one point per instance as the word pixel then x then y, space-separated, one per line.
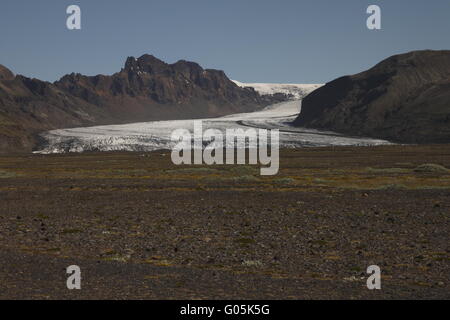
pixel 144 89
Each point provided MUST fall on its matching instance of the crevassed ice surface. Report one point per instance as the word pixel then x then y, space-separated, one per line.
pixel 156 135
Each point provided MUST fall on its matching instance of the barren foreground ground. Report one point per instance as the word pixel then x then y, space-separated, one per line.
pixel 142 228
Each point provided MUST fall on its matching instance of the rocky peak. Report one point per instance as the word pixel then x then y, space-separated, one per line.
pixel 5 73
pixel 131 64
pixel 190 70
pixel 146 63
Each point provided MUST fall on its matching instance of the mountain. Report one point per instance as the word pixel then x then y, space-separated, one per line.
pixel 145 89
pixel 5 73
pixel 28 106
pixel 405 98
pixel 285 91
pixel 154 90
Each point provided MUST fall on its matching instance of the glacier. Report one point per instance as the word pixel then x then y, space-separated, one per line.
pixel 297 91
pixel 156 135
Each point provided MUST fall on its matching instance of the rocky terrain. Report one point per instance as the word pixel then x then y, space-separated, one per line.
pixel 405 98
pixel 140 227
pixel 145 89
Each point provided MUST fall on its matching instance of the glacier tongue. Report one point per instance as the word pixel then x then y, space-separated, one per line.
pixel 156 135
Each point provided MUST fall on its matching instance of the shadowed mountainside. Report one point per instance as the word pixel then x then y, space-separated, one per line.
pixel 145 89
pixel 405 98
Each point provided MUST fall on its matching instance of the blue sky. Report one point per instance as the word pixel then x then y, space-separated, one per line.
pixel 290 41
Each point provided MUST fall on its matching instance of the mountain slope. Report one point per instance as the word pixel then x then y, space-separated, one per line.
pixel 28 106
pixel 185 89
pixel 405 98
pixel 145 89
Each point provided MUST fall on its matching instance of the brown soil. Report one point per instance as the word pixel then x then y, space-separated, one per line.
pixel 142 228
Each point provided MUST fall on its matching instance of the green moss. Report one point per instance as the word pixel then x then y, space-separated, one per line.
pixel 70 231
pixel 285 181
pixel 245 241
pixel 7 174
pixel 387 170
pixel 393 186
pixel 42 216
pixel 117 258
pixel 320 181
pixel 431 168
pixel 320 242
pixel 190 171
pixel 356 269
pixel 245 178
pixel 244 170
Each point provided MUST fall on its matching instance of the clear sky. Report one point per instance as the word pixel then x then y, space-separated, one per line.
pixel 287 41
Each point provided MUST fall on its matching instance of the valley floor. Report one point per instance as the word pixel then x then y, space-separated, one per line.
pixel 142 228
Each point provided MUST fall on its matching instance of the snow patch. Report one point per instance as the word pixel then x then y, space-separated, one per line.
pixel 298 91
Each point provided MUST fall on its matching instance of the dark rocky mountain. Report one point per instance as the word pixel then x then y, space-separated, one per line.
pixel 28 106
pixel 148 88
pixel 5 73
pixel 145 89
pixel 405 98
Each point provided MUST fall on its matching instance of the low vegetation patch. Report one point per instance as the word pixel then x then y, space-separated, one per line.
pixel 190 171
pixel 244 170
pixel 393 186
pixel 387 170
pixel 284 180
pixel 7 174
pixel 431 168
pixel 252 263
pixel 246 178
pixel 70 231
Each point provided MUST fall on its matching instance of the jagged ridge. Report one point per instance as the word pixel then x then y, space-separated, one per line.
pixel 145 89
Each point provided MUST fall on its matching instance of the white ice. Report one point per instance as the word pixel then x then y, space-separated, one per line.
pixel 156 135
pixel 298 91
